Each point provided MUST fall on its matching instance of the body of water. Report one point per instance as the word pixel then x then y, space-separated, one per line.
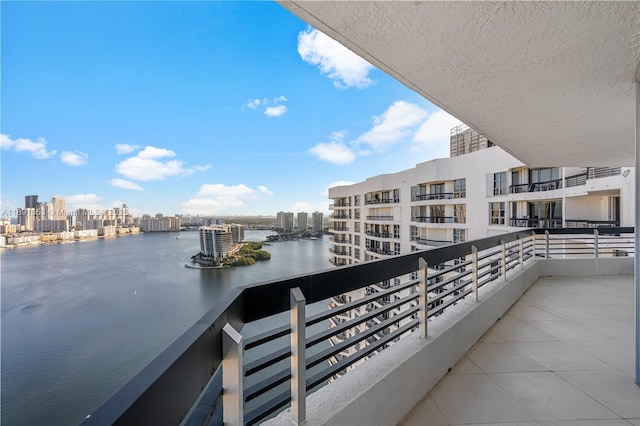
pixel 79 320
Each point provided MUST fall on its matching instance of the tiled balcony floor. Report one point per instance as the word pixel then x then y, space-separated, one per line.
pixel 562 355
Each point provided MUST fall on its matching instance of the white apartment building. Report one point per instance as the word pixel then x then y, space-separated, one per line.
pixel 284 221
pixel 482 193
pixel 317 222
pixel 216 241
pixel 303 221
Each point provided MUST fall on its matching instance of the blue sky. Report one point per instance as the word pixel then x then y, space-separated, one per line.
pixel 214 108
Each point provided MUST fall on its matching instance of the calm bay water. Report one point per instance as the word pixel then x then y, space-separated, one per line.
pixel 73 333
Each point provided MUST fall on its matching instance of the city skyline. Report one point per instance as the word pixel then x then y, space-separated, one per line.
pixel 196 108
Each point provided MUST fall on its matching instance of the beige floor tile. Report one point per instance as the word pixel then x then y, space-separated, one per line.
pixel 474 398
pixel 612 329
pixel 533 313
pixel 425 413
pixel 466 366
pixel 560 356
pixel 520 331
pixel 503 358
pixel 546 397
pixel 611 388
pixel 635 422
pixel 608 422
pixel 566 330
pixel 617 353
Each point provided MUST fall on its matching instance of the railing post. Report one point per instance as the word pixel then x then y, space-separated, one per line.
pixel 521 251
pixel 595 243
pixel 503 254
pixel 474 272
pixel 546 244
pixel 232 377
pixel 298 357
pixel 423 310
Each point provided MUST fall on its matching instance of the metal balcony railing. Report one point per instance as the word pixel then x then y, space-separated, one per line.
pixel 435 196
pixel 435 243
pixel 535 223
pixel 379 217
pixel 203 378
pixel 536 187
pixel 370 201
pixel 435 219
pixel 600 172
pixel 379 234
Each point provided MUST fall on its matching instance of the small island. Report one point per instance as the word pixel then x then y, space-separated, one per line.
pixel 221 247
pixel 246 254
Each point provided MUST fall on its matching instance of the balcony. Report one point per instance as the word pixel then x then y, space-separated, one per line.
pixel 551 185
pixel 379 234
pixel 535 223
pixel 434 243
pixel 435 219
pixel 406 367
pixel 387 218
pixel 436 196
pixel 372 201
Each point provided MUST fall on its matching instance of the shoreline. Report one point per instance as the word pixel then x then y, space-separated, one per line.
pixel 75 240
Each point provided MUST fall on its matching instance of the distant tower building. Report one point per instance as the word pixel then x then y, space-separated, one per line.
pixel 31 201
pixel 215 241
pixel 237 232
pixel 284 221
pixel 303 221
pixel 59 209
pixel 26 218
pixel 317 222
pixel 464 140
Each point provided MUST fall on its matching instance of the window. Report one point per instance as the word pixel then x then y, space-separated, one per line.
pixel 460 213
pixel 496 213
pixel 396 231
pixel 437 214
pixel 356 240
pixel 357 213
pixel 460 188
pixel 414 233
pixel 437 191
pixel 356 200
pixel 396 248
pixel 500 183
pixel 459 235
pixel 357 227
pixel 357 254
pixel 396 195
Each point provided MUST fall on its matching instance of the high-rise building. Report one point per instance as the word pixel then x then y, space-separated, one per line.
pixel 284 221
pixel 237 231
pixel 317 222
pixel 30 201
pixel 215 241
pixel 59 209
pixel 303 221
pixel 466 197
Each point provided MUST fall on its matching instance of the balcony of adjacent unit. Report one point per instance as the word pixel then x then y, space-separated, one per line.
pixel 439 214
pixel 526 180
pixel 340 239
pixel 382 197
pixel 340 251
pixel 383 248
pixel 538 214
pixel 380 214
pixel 437 191
pixel 339 226
pixel 341 202
pixel 383 231
pixel 432 237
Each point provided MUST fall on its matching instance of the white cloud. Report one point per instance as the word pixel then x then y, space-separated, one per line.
pixel 272 107
pixel 344 67
pixel 84 201
pixel 395 124
pixel 436 130
pixel 123 148
pixel 254 103
pixel 275 111
pixel 263 189
pixel 336 151
pixel 125 184
pixel 37 149
pixel 325 193
pixel 154 164
pixel 202 168
pixel 215 198
pixel 74 159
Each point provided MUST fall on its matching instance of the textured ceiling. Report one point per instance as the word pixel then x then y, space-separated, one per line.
pixel 553 83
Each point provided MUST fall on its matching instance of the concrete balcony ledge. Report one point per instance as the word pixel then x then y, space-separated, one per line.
pixel 384 390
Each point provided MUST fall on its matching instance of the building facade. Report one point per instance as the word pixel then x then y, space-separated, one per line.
pixel 284 221
pixel 215 241
pixel 467 196
pixel 317 224
pixel 302 221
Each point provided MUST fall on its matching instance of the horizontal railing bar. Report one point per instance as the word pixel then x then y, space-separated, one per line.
pixel 444 305
pixel 323 335
pixel 346 362
pixel 325 315
pixel 440 296
pixel 493 270
pixel 209 403
pixel 267 336
pixel 266 361
pixel 269 407
pixel 333 350
pixel 487 255
pixel 452 268
pixel 460 275
pixel 254 391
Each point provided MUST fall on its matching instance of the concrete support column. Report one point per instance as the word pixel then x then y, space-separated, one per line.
pixel 637 234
